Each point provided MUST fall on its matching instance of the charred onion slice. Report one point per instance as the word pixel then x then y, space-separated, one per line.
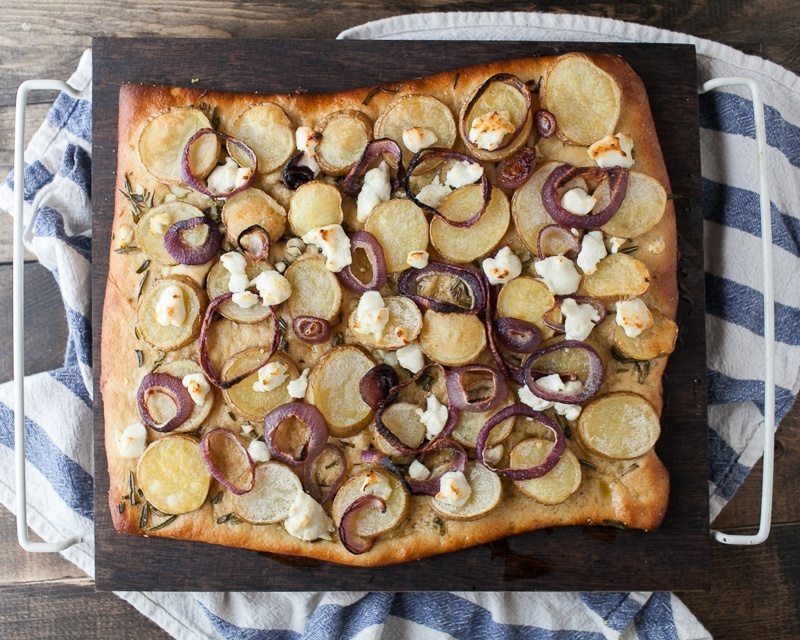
pixel 311 486
pixel 446 154
pixel 508 79
pixel 376 385
pixel 508 369
pixel 515 171
pixel 374 251
pixel 459 395
pixel 557 232
pixel 171 387
pixel 205 361
pixel 518 335
pixel 373 456
pixel 556 326
pixel 545 123
pixel 590 387
pixel 194 182
pixel 352 182
pixel 312 330
pixel 254 243
pixel 216 472
pixel 408 286
pixel 310 416
pixel 187 254
pixel 430 486
pixel 617 186
pixel 294 174
pixel 353 542
pixel 536 471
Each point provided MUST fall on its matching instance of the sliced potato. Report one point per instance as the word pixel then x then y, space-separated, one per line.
pixel 217 284
pixel 275 489
pixel 266 129
pixel 618 277
pixel 486 493
pixel 655 342
pixel 249 207
pixel 556 485
pixel 526 299
pixel 333 386
pixel 584 99
pixel 403 327
pixel 164 138
pixel 470 423
pixel 345 134
pixel 466 245
pixel 619 425
pixel 242 398
pixel 315 290
pixel 150 240
pixel 402 420
pixel 372 522
pixel 451 339
pixel 315 204
pixel 172 476
pixel 162 407
pixel 417 110
pixel 170 337
pixel 641 210
pixel 400 227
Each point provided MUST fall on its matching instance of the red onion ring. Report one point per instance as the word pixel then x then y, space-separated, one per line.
pixel 505 78
pixel 205 361
pixel 310 416
pixel 508 369
pixel 208 460
pixel 376 385
pixel 552 231
pixel 545 123
pixel 172 387
pixel 618 185
pixel 536 471
pixel 312 330
pixel 374 252
pixel 254 243
pixel 353 542
pixel 457 394
pixel 515 171
pixel 517 335
pixel 351 184
pixel 407 285
pixel 310 485
pixel 186 254
pixel 590 388
pixel 190 179
pixel 430 486
pixel 294 174
pixel 555 326
pixel 446 154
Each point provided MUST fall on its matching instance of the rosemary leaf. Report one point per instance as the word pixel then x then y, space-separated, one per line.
pixel 425 381
pixel 231 416
pixel 143 267
pixel 216 498
pixel 534 85
pixel 139 358
pixel 330 465
pixel 225 518
pixel 338 339
pixel 158 361
pixel 614 523
pixel 285 345
pixel 127 249
pixel 375 90
pixel 141 284
pixel 625 472
pixel 121 507
pixel 131 488
pixel 166 523
pixel 144 515
pixel 455 80
pixel 631 249
pixel 438 525
pixel 586 463
pixel 158 512
pixel 643 368
pixel 345 443
pixel 282 324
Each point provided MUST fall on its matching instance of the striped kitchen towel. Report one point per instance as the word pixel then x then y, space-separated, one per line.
pixel 58 403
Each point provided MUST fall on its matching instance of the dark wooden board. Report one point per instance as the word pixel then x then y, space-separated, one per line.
pixel 576 558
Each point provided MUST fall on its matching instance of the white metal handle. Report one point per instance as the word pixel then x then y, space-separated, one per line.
pixel 769 314
pixel 19 316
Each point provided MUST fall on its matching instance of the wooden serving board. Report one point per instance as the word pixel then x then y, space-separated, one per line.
pixel 575 558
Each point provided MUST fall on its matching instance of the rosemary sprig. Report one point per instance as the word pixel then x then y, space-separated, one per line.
pixel 143 267
pixel 216 498
pixel 375 90
pixel 230 518
pixel 588 464
pixel 166 523
pixel 144 515
pixel 643 368
pixel 139 358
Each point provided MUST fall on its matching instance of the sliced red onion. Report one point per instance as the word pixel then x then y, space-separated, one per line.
pixel 554 231
pixel 536 471
pixel 559 326
pixel 545 123
pixel 373 456
pixel 310 416
pixel 353 542
pixel 508 369
pixel 446 154
pixel 376 385
pixel 408 286
pixel 214 470
pixel 404 449
pixel 352 183
pixel 515 171
pixel 310 485
pixel 517 335
pixel 254 243
pixel 617 185
pixel 505 78
pixel 296 175
pixel 374 251
pixel 186 254
pixel 312 330
pixel 192 180
pixel 169 386
pixel 459 396
pixel 205 361
pixel 590 387
pixel 430 486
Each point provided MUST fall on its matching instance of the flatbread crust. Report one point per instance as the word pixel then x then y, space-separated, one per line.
pixel 610 493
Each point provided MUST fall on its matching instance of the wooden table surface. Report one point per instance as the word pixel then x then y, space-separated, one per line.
pixel 755 591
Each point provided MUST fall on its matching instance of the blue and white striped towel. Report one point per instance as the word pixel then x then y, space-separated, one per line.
pixel 58 403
